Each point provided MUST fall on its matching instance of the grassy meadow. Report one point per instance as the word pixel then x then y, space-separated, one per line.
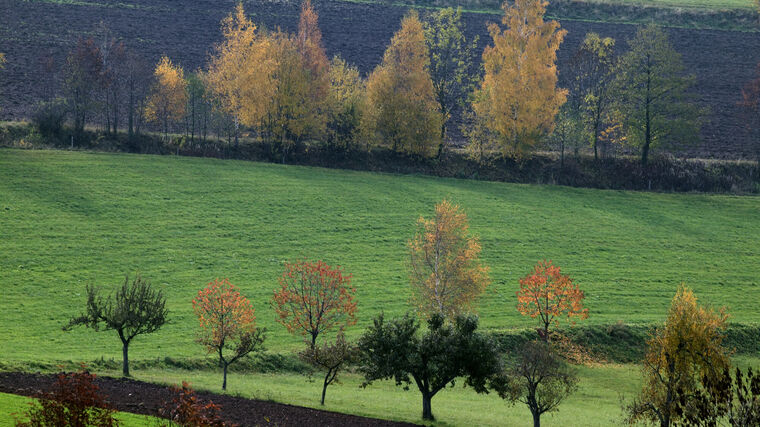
pixel 13 407
pixel 68 219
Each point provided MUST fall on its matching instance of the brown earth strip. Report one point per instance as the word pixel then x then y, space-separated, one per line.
pixel 139 397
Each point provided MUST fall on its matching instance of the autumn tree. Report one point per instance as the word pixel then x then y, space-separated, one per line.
pixel 652 93
pixel 538 378
pixel 134 309
pixel 138 77
pixel 687 348
pixel 228 324
pixel 445 272
pixel 345 102
pixel 593 64
pixel 549 295
pixel 519 97
pixel 73 400
pixel 293 112
pixel 331 357
pixel 433 360
pixel 751 104
pixel 314 297
pixel 83 74
pixel 401 106
pixel 452 63
pixel 198 108
pixel 241 71
pixel 168 96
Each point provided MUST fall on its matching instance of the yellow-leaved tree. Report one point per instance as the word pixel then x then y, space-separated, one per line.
pixel 680 354
pixel 301 84
pixel 345 103
pixel 241 71
pixel 519 98
pixel 401 107
pixel 168 95
pixel 444 269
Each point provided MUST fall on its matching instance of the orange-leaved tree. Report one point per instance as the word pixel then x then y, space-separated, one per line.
pixel 548 295
pixel 519 98
pixel 168 96
pixel 444 269
pixel 314 297
pixel 228 324
pixel 401 107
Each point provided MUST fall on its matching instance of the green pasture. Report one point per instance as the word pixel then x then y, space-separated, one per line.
pixel 68 219
pixel 13 407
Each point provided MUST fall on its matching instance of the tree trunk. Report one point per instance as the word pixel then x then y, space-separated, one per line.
pixel 224 381
pixel 536 419
pixel 324 386
pixel 125 358
pixel 427 411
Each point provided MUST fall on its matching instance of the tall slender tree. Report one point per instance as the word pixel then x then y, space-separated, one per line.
pixel 591 96
pixel 652 93
pixel 401 105
pixel 452 63
pixel 168 96
pixel 519 98
pixel 444 270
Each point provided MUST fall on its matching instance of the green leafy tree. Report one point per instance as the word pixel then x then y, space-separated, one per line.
pixel 395 350
pixel 591 97
pixel 134 309
pixel 331 357
pixel 652 93
pixel 539 378
pixel 452 63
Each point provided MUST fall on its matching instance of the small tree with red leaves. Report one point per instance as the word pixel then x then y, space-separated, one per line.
pixel 548 294
pixel 314 297
pixel 186 409
pixel 74 400
pixel 228 325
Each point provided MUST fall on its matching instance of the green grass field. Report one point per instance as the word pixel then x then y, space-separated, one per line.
pixel 13 407
pixel 69 219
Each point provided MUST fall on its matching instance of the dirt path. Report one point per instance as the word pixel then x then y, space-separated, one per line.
pixel 145 398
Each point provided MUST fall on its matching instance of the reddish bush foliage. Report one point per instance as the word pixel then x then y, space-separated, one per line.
pixel 188 411
pixel 74 401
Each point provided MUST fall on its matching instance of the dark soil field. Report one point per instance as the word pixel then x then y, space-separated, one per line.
pixel 144 398
pixel 186 30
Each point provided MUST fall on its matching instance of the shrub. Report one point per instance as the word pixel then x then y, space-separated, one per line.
pixel 74 400
pixel 49 117
pixel 188 411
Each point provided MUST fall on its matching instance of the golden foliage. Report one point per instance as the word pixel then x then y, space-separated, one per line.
pixel 401 105
pixel 444 270
pixel 519 97
pixel 686 349
pixel 241 71
pixel 168 96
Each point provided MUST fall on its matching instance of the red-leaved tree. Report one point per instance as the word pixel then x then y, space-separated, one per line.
pixel 74 400
pixel 548 294
pixel 186 409
pixel 313 298
pixel 228 325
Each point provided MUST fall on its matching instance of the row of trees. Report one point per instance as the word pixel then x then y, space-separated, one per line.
pixel 284 90
pixel 687 377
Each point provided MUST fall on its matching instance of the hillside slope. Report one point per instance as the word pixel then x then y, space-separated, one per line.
pixel 69 219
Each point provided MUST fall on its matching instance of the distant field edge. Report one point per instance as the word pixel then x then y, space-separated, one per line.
pixel 664 173
pixel 733 15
